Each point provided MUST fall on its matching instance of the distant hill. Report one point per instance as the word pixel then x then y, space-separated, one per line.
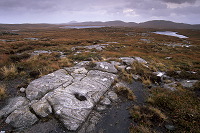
pixel 167 25
pixel 161 24
pixel 108 23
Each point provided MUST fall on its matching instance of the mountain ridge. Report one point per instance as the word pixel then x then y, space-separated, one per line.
pixel 161 24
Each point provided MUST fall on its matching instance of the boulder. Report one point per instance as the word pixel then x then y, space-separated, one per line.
pixel 13 104
pixel 21 118
pixel 39 87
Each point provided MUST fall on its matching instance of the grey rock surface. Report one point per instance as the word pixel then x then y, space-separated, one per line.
pixel 21 118
pixel 127 60
pixel 83 64
pixel 41 107
pixel 89 125
pixel 70 94
pixel 105 101
pixel 72 104
pixel 22 89
pixel 39 87
pixel 112 96
pixel 188 83
pixel 105 66
pixel 171 86
pixel 115 63
pixel 100 108
pixel 98 47
pixel 136 77
pixel 140 60
pixel 13 104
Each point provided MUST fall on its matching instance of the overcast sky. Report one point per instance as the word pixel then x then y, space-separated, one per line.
pixel 62 11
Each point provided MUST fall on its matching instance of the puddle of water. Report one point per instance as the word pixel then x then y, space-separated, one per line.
pixel 80 27
pixel 117 119
pixel 170 33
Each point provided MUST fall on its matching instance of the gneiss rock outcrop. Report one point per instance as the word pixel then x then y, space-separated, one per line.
pixel 75 95
pixel 69 94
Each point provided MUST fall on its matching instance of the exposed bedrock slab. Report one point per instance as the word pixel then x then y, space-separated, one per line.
pixel 13 104
pixel 72 104
pixel 39 87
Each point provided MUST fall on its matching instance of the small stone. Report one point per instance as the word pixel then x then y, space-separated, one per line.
pixel 101 107
pixel 168 58
pixel 22 90
pixel 159 74
pixel 170 127
pixel 128 68
pixel 112 96
pixel 105 101
pixel 81 70
pixel 136 77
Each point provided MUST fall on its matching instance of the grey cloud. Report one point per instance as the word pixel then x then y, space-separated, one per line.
pixel 188 10
pixel 180 1
pixel 91 9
